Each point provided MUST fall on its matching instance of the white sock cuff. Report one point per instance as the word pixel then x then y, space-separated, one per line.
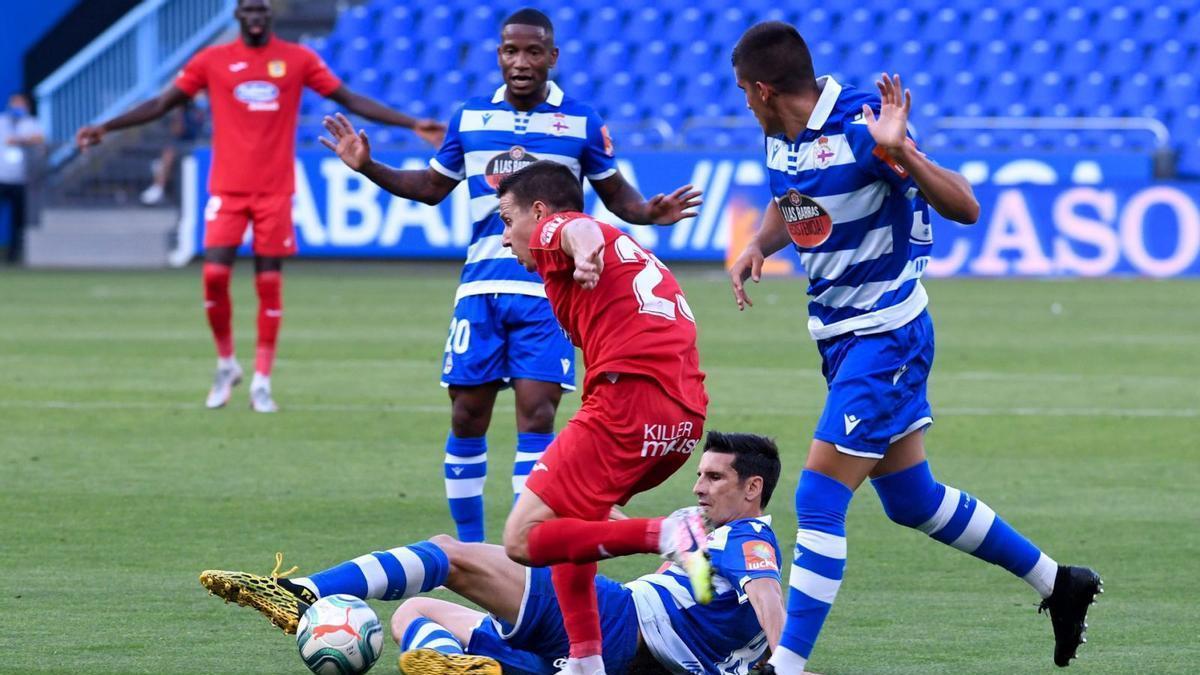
pixel 1042 576
pixel 787 662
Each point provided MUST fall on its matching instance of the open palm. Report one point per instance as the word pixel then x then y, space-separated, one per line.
pixel 890 129
pixel 352 147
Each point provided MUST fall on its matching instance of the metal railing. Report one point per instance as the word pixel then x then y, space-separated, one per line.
pixel 125 64
pixel 1162 137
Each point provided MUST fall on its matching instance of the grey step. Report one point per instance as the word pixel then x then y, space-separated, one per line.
pixel 102 238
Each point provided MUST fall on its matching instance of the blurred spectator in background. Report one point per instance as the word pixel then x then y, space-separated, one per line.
pixel 22 140
pixel 184 125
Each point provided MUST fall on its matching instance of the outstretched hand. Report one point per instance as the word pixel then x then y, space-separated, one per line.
pixel 672 208
pixel 588 267
pixel 747 266
pixel 353 148
pixel 88 136
pixel 432 132
pixel 890 129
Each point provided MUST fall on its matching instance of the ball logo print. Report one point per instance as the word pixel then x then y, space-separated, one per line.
pixel 339 635
pixel 808 224
pixel 507 163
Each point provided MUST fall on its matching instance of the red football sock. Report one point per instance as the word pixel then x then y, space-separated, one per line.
pixel 270 314
pixel 219 306
pixel 581 541
pixel 575 586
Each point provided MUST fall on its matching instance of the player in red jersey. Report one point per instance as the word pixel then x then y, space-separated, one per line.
pixel 643 402
pixel 254 85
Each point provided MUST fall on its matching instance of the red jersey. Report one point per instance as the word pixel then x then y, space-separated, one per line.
pixel 255 99
pixel 636 319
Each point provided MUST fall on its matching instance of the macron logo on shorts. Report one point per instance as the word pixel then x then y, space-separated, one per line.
pixel 851 423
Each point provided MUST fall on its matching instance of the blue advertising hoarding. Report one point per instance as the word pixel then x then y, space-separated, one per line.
pixel 1090 217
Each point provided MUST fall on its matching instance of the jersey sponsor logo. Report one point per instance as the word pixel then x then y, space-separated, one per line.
pixel 822 155
pixel 759 556
pixel 550 228
pixel 277 68
pixel 659 440
pixel 258 95
pixel 506 163
pixel 851 423
pixel 808 224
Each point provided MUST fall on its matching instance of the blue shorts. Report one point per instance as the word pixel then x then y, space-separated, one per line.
pixel 504 336
pixel 877 387
pixel 538 643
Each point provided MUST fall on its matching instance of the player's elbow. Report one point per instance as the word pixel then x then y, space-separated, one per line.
pixel 965 211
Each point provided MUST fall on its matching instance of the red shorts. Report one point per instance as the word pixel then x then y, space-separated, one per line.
pixel 227 215
pixel 628 437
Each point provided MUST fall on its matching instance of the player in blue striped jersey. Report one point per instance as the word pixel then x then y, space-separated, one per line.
pixel 502 330
pixel 852 193
pixel 651 625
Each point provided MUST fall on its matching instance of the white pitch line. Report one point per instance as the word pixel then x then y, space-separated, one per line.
pixel 443 409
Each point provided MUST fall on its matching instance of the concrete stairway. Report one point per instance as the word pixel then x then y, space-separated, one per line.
pixel 102 238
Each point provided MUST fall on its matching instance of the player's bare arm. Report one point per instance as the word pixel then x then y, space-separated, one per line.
pixel 766 597
pixel 946 191
pixel 354 149
pixel 583 241
pixel 772 237
pixel 432 132
pixel 146 111
pixel 627 203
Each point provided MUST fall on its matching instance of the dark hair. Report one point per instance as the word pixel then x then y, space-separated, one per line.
pixel 529 16
pixel 544 181
pixel 753 455
pixel 772 52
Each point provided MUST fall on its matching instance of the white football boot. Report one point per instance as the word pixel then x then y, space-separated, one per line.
pixel 224 381
pixel 260 395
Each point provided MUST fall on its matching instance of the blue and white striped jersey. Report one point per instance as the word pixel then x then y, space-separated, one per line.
pixel 722 637
pixel 486 140
pixel 860 226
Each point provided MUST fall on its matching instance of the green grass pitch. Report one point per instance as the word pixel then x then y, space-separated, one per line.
pixel 1072 408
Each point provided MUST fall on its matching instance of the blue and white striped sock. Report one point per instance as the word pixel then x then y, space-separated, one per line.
pixel 394 574
pixel 530 447
pixel 817 568
pixel 913 498
pixel 425 634
pixel 466 471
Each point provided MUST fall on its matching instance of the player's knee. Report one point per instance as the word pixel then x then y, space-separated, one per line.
pixel 453 548
pixel 909 497
pixel 469 418
pixel 410 610
pixel 537 416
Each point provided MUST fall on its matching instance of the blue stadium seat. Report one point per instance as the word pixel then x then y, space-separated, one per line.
pixel 481 56
pixel 1046 91
pixel 1028 25
pixel 1000 91
pixel 450 87
pixel 1136 90
pixel 358 54
pixel 356 22
pixel 727 26
pixel 663 86
pixel 1091 91
pixel 567 23
pixel 1158 24
pixel 399 53
pixel 1181 90
pixel 993 57
pixel 603 24
pixel 1079 57
pixel 1114 24
pixel 813 23
pixel 437 20
pixel 945 24
pixel 960 89
pixel 407 85
pixel 644 25
pixel 654 57
pixel 441 54
pixel 863 63
pixel 858 26
pixel 612 57
pixel 698 57
pixel 826 56
pixel 1122 58
pixel 1073 23
pixel 1166 59
pixel 574 56
pixel 479 23
pixel 908 57
pixel 579 85
pixel 398 21
pixel 983 25
pixel 616 89
pixel 949 57
pixel 367 81
pixel 687 25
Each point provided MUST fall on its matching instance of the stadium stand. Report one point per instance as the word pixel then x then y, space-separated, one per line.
pixel 660 76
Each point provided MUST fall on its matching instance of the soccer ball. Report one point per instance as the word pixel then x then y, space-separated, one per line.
pixel 339 635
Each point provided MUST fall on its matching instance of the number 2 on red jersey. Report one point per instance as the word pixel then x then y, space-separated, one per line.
pixel 648 279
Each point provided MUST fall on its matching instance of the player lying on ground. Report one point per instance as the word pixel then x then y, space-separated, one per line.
pixel 254 85
pixel 853 195
pixel 650 625
pixel 502 331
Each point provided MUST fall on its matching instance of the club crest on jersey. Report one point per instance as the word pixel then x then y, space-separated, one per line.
pixel 506 163
pixel 759 556
pixel 277 68
pixel 258 95
pixel 808 224
pixel 560 125
pixel 822 155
